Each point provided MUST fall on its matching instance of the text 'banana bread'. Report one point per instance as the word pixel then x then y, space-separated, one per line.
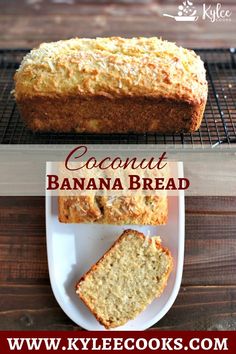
pixel 111 85
pixel 126 279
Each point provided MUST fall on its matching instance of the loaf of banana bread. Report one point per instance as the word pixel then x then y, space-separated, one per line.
pixel 126 279
pixel 111 85
pixel 139 210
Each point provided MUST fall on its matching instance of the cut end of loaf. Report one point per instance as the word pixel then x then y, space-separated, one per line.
pixel 126 279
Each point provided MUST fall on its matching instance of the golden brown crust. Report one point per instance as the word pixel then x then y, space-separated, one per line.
pixel 103 322
pixel 136 210
pixel 114 67
pixel 106 115
pixel 83 209
pixel 111 85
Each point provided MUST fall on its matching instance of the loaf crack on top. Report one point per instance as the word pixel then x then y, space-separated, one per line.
pixel 115 66
pixel 141 209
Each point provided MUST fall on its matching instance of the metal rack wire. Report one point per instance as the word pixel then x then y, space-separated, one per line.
pixel 218 126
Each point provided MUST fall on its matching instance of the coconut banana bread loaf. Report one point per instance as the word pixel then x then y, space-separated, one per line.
pixel 139 210
pixel 126 279
pixel 111 85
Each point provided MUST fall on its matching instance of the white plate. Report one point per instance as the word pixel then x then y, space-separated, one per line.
pixel 73 248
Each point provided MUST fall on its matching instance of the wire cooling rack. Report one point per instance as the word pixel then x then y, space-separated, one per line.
pixel 218 126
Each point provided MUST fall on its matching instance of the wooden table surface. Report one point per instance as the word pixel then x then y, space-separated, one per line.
pixel 26 23
pixel 207 298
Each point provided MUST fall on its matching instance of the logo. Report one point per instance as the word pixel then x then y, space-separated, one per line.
pixel 213 13
pixel 186 12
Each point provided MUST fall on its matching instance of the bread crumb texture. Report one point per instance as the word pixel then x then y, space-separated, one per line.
pixel 126 279
pixel 112 67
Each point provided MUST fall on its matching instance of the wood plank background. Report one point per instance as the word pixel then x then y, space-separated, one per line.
pixel 26 23
pixel 207 298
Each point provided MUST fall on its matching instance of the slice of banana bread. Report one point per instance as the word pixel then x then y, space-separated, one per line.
pixel 126 279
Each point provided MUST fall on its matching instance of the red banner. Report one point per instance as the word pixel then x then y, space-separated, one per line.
pixel 121 342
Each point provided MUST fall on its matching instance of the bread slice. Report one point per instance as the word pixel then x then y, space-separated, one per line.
pixel 126 279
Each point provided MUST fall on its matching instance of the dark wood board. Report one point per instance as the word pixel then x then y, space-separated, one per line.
pixel 209 278
pixel 27 23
